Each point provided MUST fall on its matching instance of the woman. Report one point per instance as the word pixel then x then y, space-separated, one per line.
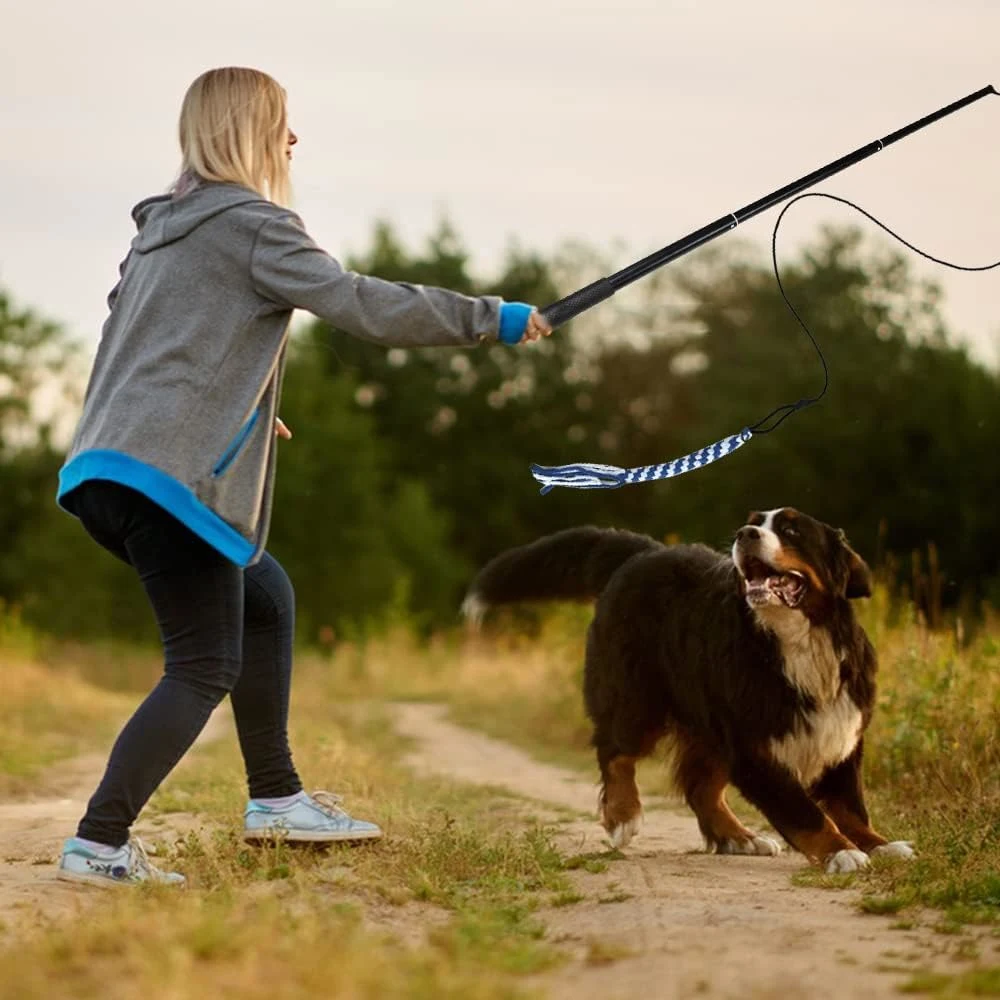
pixel 172 464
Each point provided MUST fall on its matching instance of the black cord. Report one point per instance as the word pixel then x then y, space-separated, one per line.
pixel 782 413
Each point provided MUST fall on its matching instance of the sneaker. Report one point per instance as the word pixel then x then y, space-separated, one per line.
pixel 315 819
pixel 129 865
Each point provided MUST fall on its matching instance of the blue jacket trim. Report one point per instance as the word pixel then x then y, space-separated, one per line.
pixel 513 321
pixel 234 448
pixel 173 496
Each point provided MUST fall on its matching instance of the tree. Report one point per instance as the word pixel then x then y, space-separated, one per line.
pixel 897 452
pixel 410 468
pixel 48 566
pixel 35 357
pixel 356 537
pixel 466 423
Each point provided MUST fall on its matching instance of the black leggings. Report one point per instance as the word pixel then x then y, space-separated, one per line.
pixel 225 630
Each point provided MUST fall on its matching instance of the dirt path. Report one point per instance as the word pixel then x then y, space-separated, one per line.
pixel 668 923
pixel 33 829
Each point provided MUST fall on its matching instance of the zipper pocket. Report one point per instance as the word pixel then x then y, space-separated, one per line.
pixel 230 454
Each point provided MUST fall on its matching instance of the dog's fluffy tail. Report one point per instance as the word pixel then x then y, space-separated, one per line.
pixel 575 564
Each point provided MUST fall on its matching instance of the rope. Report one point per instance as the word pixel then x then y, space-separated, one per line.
pixel 596 476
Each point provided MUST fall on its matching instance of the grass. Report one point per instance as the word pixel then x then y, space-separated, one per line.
pixel 51 708
pixel 933 769
pixel 45 718
pixel 932 757
pixel 449 904
pixel 446 906
pixel 528 691
pixel 983 982
pixel 289 942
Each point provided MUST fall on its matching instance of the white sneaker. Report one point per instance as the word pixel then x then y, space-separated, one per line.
pixel 315 818
pixel 129 865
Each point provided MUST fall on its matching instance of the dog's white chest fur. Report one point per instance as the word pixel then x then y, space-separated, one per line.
pixel 820 739
pixel 830 732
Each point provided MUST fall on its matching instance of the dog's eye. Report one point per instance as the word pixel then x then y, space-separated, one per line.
pixel 790 530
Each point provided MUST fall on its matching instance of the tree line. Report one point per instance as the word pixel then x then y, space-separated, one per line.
pixel 410 468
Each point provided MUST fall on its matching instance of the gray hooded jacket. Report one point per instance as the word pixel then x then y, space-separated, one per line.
pixel 184 391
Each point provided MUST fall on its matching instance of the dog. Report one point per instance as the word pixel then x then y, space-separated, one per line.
pixel 752 664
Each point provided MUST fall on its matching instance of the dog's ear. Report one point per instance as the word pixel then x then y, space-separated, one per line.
pixel 859 580
pixel 855 574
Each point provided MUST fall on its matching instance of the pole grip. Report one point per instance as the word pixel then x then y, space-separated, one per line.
pixel 577 302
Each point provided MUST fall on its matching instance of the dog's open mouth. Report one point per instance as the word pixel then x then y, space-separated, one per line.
pixel 767 585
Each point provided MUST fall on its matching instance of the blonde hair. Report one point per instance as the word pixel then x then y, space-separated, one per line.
pixel 234 129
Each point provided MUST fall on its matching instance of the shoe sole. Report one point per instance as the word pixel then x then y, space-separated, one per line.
pixel 309 837
pixel 102 882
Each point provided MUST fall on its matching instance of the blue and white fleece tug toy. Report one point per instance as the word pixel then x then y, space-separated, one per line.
pixel 597 476
pixel 592 476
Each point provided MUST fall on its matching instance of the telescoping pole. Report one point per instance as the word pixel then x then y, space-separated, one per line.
pixel 577 302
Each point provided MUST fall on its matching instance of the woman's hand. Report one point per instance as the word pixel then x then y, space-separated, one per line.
pixel 281 429
pixel 520 322
pixel 537 327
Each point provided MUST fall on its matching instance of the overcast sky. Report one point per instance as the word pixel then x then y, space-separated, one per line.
pixel 522 120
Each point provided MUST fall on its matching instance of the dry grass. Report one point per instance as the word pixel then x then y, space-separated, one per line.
pixel 518 687
pixel 445 906
pixel 51 708
pixel 46 717
pixel 932 763
pixel 933 766
pixel 288 942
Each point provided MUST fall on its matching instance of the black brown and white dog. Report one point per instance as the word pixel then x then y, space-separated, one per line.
pixel 751 663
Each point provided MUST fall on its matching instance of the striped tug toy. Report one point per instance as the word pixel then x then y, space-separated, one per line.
pixel 594 476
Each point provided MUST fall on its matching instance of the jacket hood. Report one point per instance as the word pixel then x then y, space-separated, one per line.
pixel 164 219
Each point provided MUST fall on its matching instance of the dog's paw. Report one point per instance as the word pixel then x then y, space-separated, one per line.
pixel 758 845
pixel 621 834
pixel 897 849
pixel 846 861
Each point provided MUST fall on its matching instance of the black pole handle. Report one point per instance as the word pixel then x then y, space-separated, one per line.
pixel 563 310
pixel 576 302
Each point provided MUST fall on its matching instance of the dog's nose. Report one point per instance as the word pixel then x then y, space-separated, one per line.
pixel 747 533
